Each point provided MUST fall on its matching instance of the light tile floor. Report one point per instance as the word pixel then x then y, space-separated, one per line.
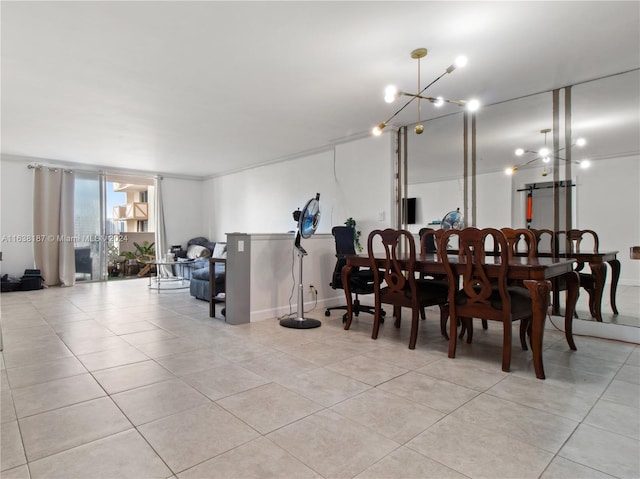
pixel 111 380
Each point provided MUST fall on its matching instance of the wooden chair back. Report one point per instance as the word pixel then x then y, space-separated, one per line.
pixel 521 242
pixel 576 241
pixel 429 239
pixel 545 242
pixel 400 278
pixel 477 298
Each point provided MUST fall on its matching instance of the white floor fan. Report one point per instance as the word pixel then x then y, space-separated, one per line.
pixel 308 220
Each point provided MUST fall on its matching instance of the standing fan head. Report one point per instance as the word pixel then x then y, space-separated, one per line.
pixel 453 220
pixel 309 217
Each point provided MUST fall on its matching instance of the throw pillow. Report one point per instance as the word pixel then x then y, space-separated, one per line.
pixel 220 250
pixel 196 251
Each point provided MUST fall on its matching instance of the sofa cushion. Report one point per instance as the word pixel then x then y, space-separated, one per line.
pixel 203 273
pixel 195 251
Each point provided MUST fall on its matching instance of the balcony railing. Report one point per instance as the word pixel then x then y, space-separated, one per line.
pixel 133 211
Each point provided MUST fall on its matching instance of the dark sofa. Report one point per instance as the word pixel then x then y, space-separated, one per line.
pixel 201 249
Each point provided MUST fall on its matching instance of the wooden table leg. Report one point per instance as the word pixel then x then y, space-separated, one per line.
pixel 573 290
pixel 555 310
pixel 539 303
pixel 346 284
pixel 599 272
pixel 615 276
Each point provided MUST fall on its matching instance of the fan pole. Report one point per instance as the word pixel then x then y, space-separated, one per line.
pixel 300 322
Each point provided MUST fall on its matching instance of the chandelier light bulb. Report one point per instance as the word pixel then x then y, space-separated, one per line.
pixel 510 170
pixel 585 164
pixel 543 151
pixel 461 61
pixel 581 142
pixel 390 94
pixel 473 105
pixel 439 101
pixel 519 152
pixel 377 130
pixel 546 159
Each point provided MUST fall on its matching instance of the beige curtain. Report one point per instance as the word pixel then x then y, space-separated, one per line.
pixel 161 233
pixel 53 195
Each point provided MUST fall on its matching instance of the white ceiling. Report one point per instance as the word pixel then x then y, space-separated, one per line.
pixel 206 88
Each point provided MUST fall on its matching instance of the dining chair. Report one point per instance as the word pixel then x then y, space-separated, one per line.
pixel 521 242
pixel 429 240
pixel 545 241
pixel 577 241
pixel 485 293
pixel 401 288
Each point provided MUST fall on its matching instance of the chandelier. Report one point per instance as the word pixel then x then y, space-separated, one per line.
pixel 543 155
pixel 392 93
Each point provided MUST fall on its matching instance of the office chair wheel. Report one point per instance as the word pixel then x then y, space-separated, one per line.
pixel 327 312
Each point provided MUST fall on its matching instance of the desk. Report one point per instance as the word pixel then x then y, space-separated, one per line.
pixel 535 274
pixel 598 264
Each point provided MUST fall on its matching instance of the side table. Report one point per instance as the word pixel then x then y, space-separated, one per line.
pixel 160 282
pixel 215 297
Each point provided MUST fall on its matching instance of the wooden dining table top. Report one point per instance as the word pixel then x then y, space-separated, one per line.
pixel 520 267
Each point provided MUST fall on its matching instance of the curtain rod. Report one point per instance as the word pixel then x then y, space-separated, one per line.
pixel 38 166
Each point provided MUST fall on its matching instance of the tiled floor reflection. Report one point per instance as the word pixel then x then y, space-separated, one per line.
pixel 109 380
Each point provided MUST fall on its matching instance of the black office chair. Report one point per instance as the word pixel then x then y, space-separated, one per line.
pixel 361 281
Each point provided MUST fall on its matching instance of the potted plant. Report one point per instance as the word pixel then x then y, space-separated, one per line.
pixel 129 256
pixel 352 223
pixel 144 252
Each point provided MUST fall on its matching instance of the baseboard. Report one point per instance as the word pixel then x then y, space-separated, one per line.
pixel 618 332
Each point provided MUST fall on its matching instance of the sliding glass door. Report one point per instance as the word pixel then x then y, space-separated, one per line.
pixel 90 236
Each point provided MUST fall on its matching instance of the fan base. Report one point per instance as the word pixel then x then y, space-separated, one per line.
pixel 300 323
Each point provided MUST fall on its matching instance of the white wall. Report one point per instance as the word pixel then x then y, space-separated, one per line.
pixel 493 201
pixel 184 211
pixel 274 276
pixel 353 180
pixel 16 216
pixel 607 200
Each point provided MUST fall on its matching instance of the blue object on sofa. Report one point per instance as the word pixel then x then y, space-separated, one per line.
pixel 199 280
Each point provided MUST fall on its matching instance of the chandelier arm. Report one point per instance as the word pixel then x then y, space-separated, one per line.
pixel 413 97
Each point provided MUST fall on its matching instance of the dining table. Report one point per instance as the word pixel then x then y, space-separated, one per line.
pixel 535 274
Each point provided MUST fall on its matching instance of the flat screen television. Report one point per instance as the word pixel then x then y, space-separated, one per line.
pixel 409 206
